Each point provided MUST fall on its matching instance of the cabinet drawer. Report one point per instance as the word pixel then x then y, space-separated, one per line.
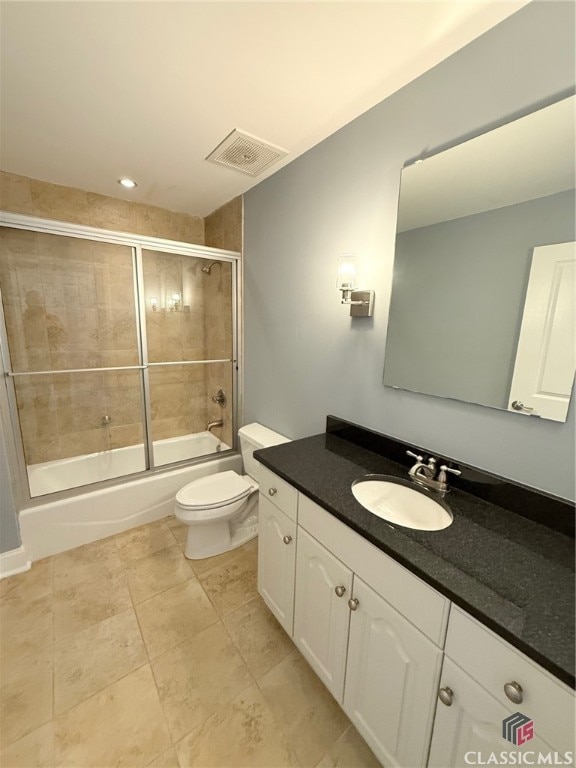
pixel 278 491
pixel 425 608
pixel 493 662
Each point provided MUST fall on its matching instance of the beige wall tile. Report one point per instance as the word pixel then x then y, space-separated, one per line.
pixel 199 677
pixel 52 201
pixel 122 725
pixel 223 227
pixel 242 734
pixel 88 661
pixel 111 213
pixel 174 616
pixel 15 193
pixel 36 750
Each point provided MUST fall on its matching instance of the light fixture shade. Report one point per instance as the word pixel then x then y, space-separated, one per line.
pixel 346 273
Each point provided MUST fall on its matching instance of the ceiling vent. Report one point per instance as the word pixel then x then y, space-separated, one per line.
pixel 245 153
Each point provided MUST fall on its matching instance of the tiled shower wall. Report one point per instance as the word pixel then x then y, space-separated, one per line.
pixel 70 305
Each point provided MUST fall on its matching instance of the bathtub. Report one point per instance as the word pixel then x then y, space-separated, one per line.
pixel 56 526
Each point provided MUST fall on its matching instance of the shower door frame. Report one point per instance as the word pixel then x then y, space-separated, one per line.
pixel 138 243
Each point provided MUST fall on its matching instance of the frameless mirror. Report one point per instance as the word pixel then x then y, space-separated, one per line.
pixel 484 288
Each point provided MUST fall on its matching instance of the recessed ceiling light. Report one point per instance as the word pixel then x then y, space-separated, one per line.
pixel 128 183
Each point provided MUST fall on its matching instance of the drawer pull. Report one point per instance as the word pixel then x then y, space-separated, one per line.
pixel 340 591
pixel 353 603
pixel 272 491
pixel 514 692
pixel 446 696
pixel 287 539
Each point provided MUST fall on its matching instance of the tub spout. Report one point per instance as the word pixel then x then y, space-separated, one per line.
pixel 213 424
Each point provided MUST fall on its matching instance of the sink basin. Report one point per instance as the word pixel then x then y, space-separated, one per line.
pixel 400 503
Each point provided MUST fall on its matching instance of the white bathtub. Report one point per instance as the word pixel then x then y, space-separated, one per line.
pixel 56 526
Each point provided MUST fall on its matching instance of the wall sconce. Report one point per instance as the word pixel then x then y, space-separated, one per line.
pixel 361 302
pixel 175 302
pixel 154 303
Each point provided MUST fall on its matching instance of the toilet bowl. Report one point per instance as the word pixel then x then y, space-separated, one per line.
pixel 221 510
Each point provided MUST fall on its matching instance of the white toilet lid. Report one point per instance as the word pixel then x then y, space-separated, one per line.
pixel 215 490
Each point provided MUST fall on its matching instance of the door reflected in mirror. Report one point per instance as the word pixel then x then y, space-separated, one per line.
pixel 484 289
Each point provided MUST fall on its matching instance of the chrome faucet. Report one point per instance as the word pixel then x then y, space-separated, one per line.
pixel 213 424
pixel 427 474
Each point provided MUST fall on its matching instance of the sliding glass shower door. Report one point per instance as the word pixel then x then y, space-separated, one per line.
pixel 119 358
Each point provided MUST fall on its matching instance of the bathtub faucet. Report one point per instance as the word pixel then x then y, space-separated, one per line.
pixel 213 424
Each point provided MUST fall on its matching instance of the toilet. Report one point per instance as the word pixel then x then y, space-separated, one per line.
pixel 221 511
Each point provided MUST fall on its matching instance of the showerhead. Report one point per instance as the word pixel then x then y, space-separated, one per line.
pixel 208 268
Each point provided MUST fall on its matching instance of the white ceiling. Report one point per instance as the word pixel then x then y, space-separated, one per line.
pixel 91 91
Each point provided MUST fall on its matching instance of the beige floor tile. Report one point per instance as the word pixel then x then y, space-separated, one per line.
pixel 198 677
pixel 233 584
pixel 310 716
pixel 151 575
pixel 36 750
pixel 174 616
pixel 87 563
pixel 30 585
pixel 258 636
pixel 122 725
pixel 208 563
pixel 167 759
pixel 350 751
pixel 26 696
pixel 88 661
pixel 179 531
pixel 242 734
pixel 144 541
pixel 25 628
pixel 80 607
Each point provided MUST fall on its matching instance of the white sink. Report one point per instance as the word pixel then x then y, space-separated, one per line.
pixel 398 502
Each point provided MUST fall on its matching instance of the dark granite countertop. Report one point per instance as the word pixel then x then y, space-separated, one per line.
pixel 513 574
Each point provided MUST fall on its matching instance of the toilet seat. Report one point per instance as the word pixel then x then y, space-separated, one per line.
pixel 215 491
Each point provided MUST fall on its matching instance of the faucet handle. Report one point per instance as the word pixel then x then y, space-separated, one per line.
pixel 444 468
pixel 415 456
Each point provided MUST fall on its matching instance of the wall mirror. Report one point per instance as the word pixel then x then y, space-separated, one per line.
pixel 483 297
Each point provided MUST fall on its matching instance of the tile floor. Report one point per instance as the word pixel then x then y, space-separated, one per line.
pixel 124 653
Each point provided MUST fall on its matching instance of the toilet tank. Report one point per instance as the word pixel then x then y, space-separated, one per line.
pixel 254 436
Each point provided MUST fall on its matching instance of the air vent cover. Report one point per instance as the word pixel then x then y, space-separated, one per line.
pixel 245 153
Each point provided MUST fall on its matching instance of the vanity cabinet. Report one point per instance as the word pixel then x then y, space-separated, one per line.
pixel 379 637
pixel 480 674
pixel 277 561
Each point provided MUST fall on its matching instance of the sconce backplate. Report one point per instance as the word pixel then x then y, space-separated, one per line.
pixel 364 309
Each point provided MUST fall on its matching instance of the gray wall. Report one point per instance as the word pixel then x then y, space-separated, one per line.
pixel 466 279
pixel 305 357
pixel 9 534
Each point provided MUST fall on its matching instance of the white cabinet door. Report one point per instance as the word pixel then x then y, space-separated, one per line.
pixel 391 681
pixel 321 617
pixel 276 561
pixel 470 729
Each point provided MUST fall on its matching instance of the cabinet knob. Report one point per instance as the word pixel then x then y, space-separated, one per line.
pixel 353 603
pixel 446 696
pixel 287 539
pixel 272 491
pixel 514 692
pixel 340 591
